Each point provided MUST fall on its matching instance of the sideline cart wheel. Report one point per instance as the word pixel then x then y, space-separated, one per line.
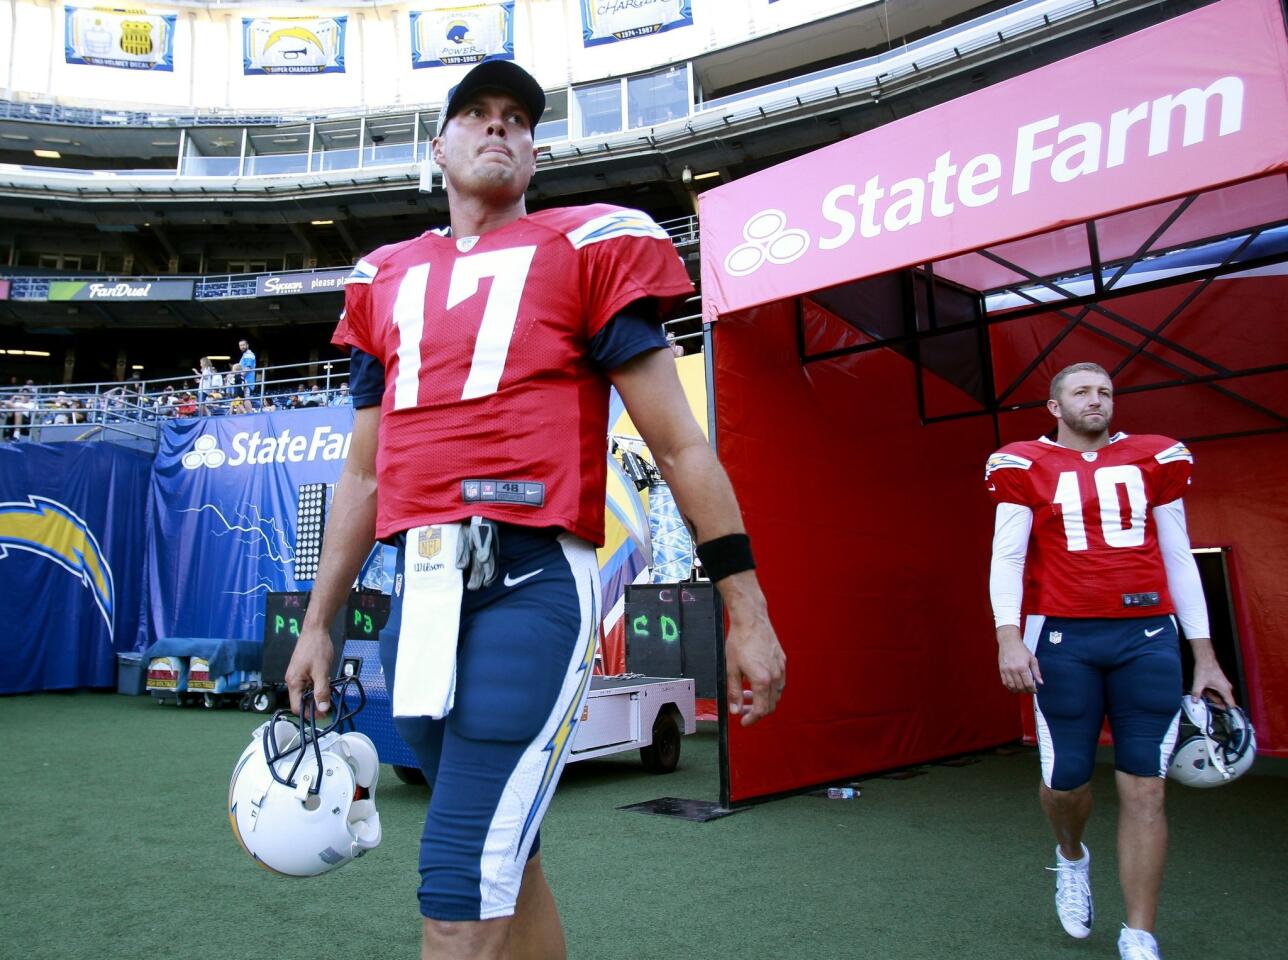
pixel 663 755
pixel 264 700
pixel 411 775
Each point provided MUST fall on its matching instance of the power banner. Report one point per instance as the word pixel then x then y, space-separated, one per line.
pixel 120 290
pixel 1192 103
pixel 129 39
pixel 71 562
pixel 606 21
pixel 293 45
pixel 235 506
pixel 323 281
pixel 446 35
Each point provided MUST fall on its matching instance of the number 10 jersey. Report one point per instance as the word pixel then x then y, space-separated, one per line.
pixel 492 404
pixel 1093 550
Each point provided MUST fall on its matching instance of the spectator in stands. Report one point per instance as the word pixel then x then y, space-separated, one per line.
pixel 167 402
pixel 313 396
pixel 247 364
pixel 60 407
pixel 208 379
pixel 24 409
pixel 677 349
pixel 187 405
pixel 238 406
pixel 340 398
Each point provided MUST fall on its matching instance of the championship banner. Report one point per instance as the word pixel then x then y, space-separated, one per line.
pixel 323 281
pixel 120 290
pixel 606 21
pixel 448 35
pixel 293 45
pixel 235 511
pixel 128 38
pixel 72 544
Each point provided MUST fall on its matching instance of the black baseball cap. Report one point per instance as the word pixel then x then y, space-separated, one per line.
pixel 496 75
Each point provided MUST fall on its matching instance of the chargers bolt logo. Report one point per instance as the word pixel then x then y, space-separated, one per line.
pixel 768 238
pixel 205 452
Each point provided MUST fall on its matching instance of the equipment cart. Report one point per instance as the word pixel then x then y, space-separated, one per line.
pixel 630 712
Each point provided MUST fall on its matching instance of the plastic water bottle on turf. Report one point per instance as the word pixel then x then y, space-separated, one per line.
pixel 843 793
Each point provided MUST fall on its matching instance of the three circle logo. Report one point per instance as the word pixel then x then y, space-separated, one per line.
pixel 205 452
pixel 768 238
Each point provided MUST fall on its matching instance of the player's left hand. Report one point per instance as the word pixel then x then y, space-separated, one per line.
pixel 753 655
pixel 1209 676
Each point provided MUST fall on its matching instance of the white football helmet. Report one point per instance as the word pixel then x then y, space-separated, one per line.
pixel 303 801
pixel 1215 745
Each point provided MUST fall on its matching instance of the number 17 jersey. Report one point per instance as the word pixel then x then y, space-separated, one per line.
pixel 1093 550
pixel 493 406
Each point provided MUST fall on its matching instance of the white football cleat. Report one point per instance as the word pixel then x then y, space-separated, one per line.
pixel 1137 945
pixel 1073 893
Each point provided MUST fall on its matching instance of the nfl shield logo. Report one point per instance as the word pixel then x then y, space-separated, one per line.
pixel 431 541
pixel 1055 637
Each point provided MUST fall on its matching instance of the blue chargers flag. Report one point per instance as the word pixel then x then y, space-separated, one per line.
pixel 452 34
pixel 225 516
pixel 607 21
pixel 127 39
pixel 293 45
pixel 72 518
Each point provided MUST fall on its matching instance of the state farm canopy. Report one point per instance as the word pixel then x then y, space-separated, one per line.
pixel 1196 103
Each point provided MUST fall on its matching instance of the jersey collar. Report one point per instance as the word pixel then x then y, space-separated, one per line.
pixel 1060 446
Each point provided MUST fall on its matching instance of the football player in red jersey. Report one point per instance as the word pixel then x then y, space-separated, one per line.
pixel 482 357
pixel 1090 542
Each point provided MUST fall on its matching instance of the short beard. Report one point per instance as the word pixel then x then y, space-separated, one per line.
pixel 1084 429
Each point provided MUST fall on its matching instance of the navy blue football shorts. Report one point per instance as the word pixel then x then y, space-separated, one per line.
pixel 1126 669
pixel 523 665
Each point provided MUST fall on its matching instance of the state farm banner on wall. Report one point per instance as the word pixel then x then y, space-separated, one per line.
pixel 1192 103
pixel 223 514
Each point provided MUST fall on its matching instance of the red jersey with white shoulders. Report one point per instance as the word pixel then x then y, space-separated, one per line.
pixel 1093 550
pixel 492 406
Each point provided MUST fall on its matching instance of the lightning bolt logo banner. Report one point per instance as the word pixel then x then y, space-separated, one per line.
pixel 53 530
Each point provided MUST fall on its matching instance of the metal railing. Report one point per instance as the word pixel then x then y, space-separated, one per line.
pixel 134 411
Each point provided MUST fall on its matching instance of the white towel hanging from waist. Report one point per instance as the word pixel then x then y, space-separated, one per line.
pixel 425 678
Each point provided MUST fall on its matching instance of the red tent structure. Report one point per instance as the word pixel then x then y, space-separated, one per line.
pixel 886 311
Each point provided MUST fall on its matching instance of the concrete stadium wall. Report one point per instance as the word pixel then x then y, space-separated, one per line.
pixel 208 53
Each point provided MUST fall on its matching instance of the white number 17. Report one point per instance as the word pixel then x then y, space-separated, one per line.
pixel 509 272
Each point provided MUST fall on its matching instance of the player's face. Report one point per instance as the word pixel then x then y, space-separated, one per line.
pixel 1085 404
pixel 486 149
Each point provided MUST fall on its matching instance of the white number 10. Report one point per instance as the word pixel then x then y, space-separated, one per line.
pixel 1108 480
pixel 509 272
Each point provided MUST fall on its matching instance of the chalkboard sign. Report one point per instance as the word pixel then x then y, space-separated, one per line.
pixel 671 631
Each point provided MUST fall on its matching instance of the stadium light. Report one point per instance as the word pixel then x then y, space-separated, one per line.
pixel 706 176
pixel 322 223
pixel 48 154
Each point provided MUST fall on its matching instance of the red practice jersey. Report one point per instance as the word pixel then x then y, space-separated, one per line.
pixel 1093 550
pixel 492 406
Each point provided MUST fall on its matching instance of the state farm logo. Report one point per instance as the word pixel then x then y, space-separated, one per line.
pixel 768 239
pixel 205 452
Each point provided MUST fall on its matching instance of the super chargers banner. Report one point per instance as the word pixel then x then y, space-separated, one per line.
pixel 225 512
pixel 71 562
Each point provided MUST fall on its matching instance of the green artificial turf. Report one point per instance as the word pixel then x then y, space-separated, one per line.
pixel 117 845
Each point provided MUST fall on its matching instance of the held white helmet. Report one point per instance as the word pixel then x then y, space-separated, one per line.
pixel 302 801
pixel 1215 745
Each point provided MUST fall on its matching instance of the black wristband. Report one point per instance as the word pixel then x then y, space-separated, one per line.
pixel 725 556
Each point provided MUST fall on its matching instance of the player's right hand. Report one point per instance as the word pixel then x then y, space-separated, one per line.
pixel 1017 666
pixel 310 669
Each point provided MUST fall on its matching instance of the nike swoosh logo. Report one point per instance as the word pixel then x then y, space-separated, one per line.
pixel 515 581
pixel 1154 633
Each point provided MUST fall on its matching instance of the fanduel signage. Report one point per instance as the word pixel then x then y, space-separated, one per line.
pixel 1194 102
pixel 324 281
pixel 120 290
